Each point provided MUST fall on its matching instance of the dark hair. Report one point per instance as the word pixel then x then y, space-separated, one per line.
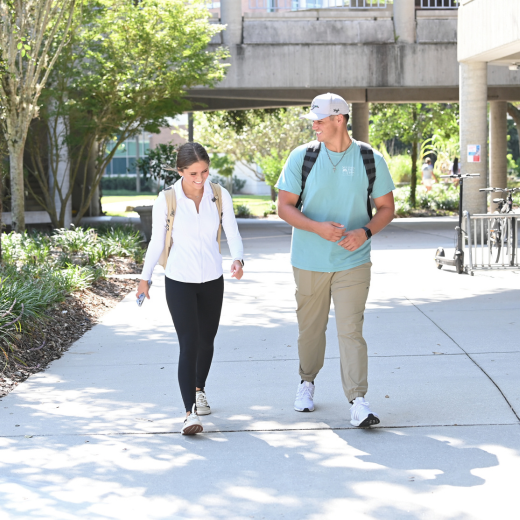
pixel 346 116
pixel 456 165
pixel 190 153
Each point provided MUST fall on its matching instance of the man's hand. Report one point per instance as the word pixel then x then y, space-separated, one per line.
pixel 353 239
pixel 331 231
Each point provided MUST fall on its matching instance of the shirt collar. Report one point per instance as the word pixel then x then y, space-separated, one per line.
pixel 179 192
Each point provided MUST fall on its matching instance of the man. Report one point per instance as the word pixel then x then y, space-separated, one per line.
pixel 330 250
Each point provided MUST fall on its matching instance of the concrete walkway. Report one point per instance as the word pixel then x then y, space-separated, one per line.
pixel 95 436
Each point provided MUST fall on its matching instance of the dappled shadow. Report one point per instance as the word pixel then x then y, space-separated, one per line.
pixel 310 475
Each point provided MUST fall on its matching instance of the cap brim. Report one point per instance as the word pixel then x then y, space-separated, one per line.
pixel 313 116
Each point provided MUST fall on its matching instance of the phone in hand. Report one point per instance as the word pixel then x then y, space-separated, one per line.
pixel 140 300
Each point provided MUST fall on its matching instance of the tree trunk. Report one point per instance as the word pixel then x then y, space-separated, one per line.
pixel 1 203
pixel 273 194
pixel 17 185
pixel 413 180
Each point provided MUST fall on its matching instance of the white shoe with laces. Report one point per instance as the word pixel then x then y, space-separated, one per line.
pixel 361 415
pixel 304 397
pixel 192 424
pixel 202 403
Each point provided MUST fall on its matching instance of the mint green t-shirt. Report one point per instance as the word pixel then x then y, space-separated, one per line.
pixel 339 196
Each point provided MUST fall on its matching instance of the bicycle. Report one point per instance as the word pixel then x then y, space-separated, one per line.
pixel 500 233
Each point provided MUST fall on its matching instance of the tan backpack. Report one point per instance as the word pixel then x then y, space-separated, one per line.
pixel 171 203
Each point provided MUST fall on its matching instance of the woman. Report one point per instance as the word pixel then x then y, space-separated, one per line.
pixel 427 174
pixel 194 276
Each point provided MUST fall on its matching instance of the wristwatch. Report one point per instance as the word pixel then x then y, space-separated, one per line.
pixel 368 233
pixel 241 261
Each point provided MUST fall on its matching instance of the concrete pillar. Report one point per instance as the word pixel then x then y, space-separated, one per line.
pixel 231 15
pixel 404 21
pixel 360 121
pixel 498 144
pixel 473 131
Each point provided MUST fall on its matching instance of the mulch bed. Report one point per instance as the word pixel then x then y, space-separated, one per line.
pixel 67 322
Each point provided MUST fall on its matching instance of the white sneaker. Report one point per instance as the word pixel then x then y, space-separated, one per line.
pixel 304 397
pixel 192 424
pixel 361 415
pixel 202 403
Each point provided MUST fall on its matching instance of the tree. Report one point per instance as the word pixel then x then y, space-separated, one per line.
pixel 152 164
pixel 225 167
pixel 413 123
pixel 252 136
pixel 32 35
pixel 126 70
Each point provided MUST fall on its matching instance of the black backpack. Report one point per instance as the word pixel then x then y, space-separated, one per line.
pixel 367 154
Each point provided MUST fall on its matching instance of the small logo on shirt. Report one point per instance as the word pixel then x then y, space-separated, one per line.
pixel 348 170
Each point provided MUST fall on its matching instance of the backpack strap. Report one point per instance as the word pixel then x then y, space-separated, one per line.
pixel 367 154
pixel 171 205
pixel 311 155
pixel 217 199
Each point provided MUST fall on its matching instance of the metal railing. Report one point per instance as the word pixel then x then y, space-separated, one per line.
pixel 301 5
pixel 491 241
pixel 437 4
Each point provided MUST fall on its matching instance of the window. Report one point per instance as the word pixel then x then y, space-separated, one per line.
pixel 124 159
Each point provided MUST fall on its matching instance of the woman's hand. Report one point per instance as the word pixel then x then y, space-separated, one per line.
pixel 142 288
pixel 236 270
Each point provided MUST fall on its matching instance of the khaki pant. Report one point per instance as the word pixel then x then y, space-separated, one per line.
pixel 349 290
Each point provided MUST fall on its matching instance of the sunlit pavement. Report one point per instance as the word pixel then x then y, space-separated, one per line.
pixel 96 435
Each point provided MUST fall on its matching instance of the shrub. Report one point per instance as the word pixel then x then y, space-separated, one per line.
pixel 441 197
pixel 271 210
pixel 125 182
pixel 242 211
pixel 238 184
pixel 400 167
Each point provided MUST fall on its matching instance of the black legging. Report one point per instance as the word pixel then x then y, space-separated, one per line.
pixel 195 310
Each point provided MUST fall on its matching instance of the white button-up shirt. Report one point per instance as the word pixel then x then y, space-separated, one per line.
pixel 194 256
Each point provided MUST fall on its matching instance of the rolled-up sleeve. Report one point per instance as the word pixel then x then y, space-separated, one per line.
pixel 156 245
pixel 230 226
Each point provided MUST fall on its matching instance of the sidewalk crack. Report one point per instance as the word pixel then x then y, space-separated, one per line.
pixel 469 356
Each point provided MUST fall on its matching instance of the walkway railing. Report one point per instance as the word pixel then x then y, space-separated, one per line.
pixel 492 241
pixel 438 4
pixel 300 5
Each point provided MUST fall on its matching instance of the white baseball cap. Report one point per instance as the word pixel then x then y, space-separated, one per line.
pixel 326 105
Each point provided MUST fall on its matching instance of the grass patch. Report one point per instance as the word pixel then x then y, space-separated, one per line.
pixel 257 204
pixel 127 193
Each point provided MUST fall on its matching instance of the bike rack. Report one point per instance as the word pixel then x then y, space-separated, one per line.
pixel 480 248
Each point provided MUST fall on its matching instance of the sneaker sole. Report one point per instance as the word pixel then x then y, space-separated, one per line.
pixel 192 430
pixel 303 410
pixel 203 411
pixel 371 420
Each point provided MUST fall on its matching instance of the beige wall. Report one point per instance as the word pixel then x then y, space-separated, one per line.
pixel 489 30
pixel 167 137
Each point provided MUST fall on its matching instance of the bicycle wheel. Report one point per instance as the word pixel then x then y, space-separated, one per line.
pixel 495 238
pixel 512 243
